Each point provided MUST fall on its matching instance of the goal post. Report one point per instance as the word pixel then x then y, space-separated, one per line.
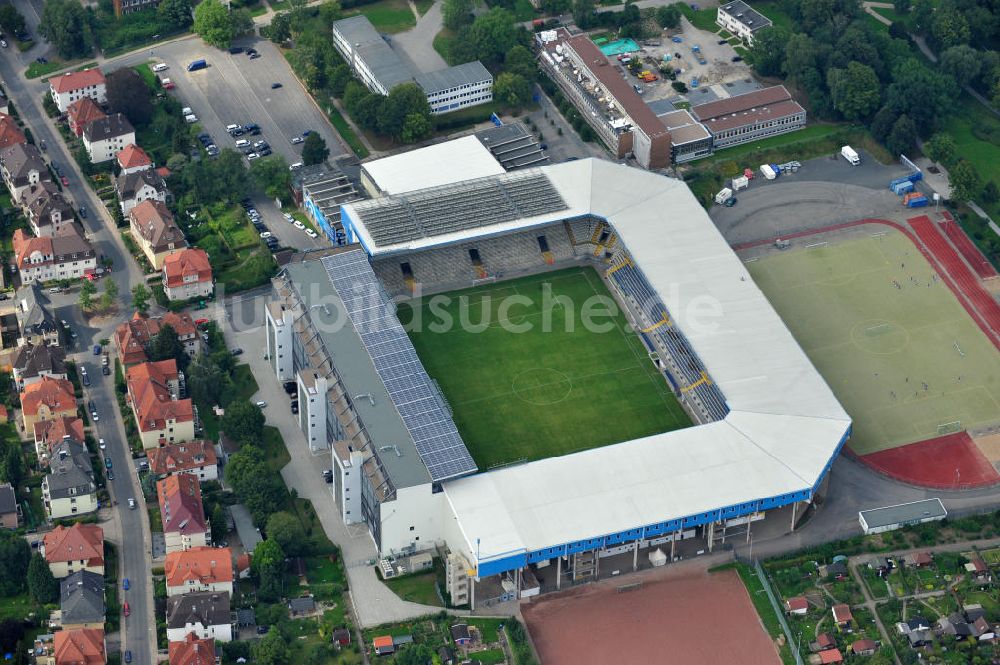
pixel 953 427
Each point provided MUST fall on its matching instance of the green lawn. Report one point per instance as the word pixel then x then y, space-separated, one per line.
pixel 527 380
pixel 758 596
pixel 424 6
pixel 778 17
pixel 442 44
pixel 703 19
pixel 977 134
pixel 17 607
pixel 275 453
pixel 876 345
pixel 35 69
pixel 489 656
pixel 146 72
pixel 347 133
pixel 387 15
pixel 420 588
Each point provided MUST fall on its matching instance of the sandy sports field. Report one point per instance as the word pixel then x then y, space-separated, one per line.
pixel 692 617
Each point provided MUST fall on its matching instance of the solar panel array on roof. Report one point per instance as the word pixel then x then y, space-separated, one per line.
pixel 472 204
pixel 430 425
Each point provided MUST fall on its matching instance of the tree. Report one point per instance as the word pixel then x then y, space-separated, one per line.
pixel 668 16
pixel 583 13
pixel 64 23
pixel 338 79
pixel 140 298
pixel 15 556
pixel 242 21
pixel 287 530
pixel 963 62
pixel 271 174
pixel 87 292
pixel 519 60
pixel 267 565
pixel 110 293
pixel 416 127
pixel 965 182
pixel 402 100
pixel 767 54
pixel 511 89
pixel 280 30
pixel 456 13
pixel 271 650
pixel 923 15
pixel 902 6
pixel 42 586
pixel 213 23
pixel 128 94
pixel 253 482
pixel 243 422
pixel 11 20
pixel 902 137
pixel 174 15
pixel 922 94
pixel 949 28
pixel 11 632
pixel 990 193
pixel 165 345
pixel 416 654
pixel 489 37
pixel 12 467
pixel 941 148
pixel 882 123
pixel 314 150
pixel 219 523
pixel 207 382
pixel 855 91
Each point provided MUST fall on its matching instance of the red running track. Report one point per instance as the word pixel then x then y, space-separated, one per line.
pixel 966 282
pixel 967 248
pixel 946 462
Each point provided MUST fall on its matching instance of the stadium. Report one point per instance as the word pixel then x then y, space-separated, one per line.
pixel 757 428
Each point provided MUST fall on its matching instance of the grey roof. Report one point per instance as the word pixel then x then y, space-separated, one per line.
pixel 209 608
pixel 513 146
pixel 453 77
pixel 70 471
pixel 81 598
pixel 8 502
pixel 32 316
pixel 369 47
pixel 21 159
pixel 108 127
pixel 127 185
pixel 245 616
pixel 245 529
pixel 414 436
pixel 904 513
pixel 306 604
pixel 440 210
pixel 746 15
pixel 31 360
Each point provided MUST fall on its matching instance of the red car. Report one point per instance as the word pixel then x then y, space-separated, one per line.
pixel 65 181
pixel 125 609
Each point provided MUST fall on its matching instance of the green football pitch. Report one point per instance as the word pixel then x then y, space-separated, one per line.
pixel 554 388
pixel 901 354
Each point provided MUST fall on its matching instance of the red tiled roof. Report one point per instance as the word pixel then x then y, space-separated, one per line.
pixel 82 112
pixel 131 337
pixel 797 603
pixel 132 156
pixel 10 133
pixel 177 267
pixel 842 613
pixel 77 80
pixel 181 509
pixel 382 641
pixel 831 656
pixel 179 457
pixel 825 641
pixel 207 565
pixel 80 541
pixel 863 645
pixel 243 562
pixel 150 393
pixel 192 651
pixel 83 646
pixel 51 432
pixel 57 394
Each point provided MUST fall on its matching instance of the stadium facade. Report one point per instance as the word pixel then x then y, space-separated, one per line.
pixel 767 426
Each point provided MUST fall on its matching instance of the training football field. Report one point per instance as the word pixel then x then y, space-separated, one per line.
pixel 903 357
pixel 526 379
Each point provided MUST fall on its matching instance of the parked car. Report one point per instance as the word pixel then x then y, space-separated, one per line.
pixel 275 86
pixel 128 656
pixel 97 349
pixel 106 370
pixel 312 234
pixel 101 444
pixel 126 610
pixel 298 224
pixel 111 474
pixel 237 351
pixel 261 404
pixel 296 140
pixel 84 377
pixel 83 212
pixel 125 580
pixel 131 503
pixel 107 462
pixel 65 181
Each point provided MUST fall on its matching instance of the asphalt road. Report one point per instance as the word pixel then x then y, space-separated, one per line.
pixel 138 631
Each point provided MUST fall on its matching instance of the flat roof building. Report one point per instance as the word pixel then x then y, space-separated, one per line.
pixel 439 164
pixel 890 518
pixel 513 146
pixel 750 116
pixel 688 138
pixel 741 19
pixel 324 190
pixel 457 87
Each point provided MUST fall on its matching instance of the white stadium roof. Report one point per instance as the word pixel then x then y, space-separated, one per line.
pixel 440 164
pixel 784 424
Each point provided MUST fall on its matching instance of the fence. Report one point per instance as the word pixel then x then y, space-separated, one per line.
pixel 759 571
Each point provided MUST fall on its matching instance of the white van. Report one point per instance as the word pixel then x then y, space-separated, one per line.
pixel 191 118
pixel 159 67
pixel 186 110
pixel 296 165
pixel 242 143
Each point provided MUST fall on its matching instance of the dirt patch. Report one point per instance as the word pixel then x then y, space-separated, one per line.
pixel 668 619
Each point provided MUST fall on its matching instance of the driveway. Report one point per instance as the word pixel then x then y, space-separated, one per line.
pixel 417 43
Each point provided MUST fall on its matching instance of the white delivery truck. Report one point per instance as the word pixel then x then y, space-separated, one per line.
pixel 768 172
pixel 740 183
pixel 850 154
pixel 724 195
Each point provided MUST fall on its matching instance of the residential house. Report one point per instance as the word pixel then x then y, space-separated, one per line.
pixel 81 600
pixel 823 642
pixel 132 337
pixel 187 274
pixel 842 616
pixel 69 488
pixel 10 132
pixel 243 566
pixel 196 457
pixel 154 230
pixel 35 323
pixel 47 210
pixel 204 613
pixel 192 651
pixel 341 637
pixel 133 159
pixel 919 559
pixel 47 399
pixel 383 645
pixel 446 655
pixel 83 646
pixel 836 570
pixel 798 605
pixel 917 631
pixel 199 569
pixel 49 433
pixel 978 570
pixel 70 87
pixel 973 611
pixel 153 391
pixel 864 647
pixel 30 363
pixel 105 137
pixel 829 657
pixel 881 565
pixel 81 113
pixel 301 607
pixel 21 166
pixel 9 511
pixel 63 256
pixel 137 186
pixel 78 547
pixel 182 513
pixel 461 634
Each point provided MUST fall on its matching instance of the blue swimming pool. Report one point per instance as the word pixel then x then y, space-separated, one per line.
pixel 620 46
